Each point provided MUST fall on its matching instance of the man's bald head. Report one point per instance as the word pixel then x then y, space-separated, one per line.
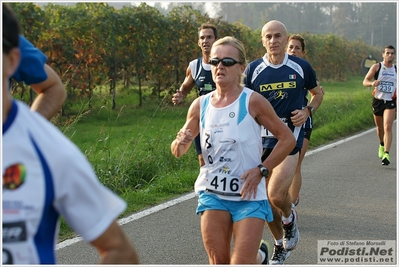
pixel 275 25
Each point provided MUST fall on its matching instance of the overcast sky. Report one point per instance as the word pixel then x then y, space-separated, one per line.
pixel 208 5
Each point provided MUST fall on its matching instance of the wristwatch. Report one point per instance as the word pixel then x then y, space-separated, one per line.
pixel 263 170
pixel 311 109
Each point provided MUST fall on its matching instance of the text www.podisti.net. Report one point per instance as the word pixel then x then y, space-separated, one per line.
pixel 356 252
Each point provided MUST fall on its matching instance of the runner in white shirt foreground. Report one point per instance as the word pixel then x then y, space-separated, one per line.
pixel 45 175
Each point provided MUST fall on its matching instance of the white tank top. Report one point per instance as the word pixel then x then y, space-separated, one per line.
pixel 231 144
pixel 386 88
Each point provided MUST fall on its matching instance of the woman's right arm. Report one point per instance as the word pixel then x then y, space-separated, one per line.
pixel 188 132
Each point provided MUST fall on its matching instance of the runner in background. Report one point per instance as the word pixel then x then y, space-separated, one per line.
pixel 199 74
pixel 296 47
pixel 383 77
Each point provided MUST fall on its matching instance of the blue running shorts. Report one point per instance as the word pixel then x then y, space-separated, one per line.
pixel 238 209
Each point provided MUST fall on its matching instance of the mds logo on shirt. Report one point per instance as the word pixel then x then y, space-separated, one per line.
pixel 277 86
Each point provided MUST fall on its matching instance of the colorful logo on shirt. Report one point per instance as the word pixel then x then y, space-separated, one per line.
pixel 225 170
pixel 292 77
pixel 14 177
pixel 279 94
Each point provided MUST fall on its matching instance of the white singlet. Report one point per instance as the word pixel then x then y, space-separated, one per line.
pixel 231 144
pixel 386 88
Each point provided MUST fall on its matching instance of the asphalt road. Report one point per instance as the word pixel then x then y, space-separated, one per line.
pixel 346 195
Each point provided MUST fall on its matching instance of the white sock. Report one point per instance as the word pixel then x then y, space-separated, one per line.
pixel 287 220
pixel 262 254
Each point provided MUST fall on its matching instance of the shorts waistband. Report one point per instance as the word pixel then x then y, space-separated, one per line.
pixel 385 101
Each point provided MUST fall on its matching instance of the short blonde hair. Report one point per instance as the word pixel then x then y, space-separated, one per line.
pixel 230 40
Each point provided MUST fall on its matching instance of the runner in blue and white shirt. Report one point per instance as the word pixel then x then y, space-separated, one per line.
pixel 284 80
pixel 199 74
pixel 284 85
pixel 44 176
pixel 232 199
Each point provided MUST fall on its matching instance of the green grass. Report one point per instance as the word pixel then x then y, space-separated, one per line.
pixel 346 109
pixel 129 147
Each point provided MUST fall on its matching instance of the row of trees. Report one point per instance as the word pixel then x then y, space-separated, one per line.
pixel 92 44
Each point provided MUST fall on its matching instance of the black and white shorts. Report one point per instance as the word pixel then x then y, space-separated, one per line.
pixel 380 105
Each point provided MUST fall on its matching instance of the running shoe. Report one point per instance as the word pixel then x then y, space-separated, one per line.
pixel 291 233
pixel 386 159
pixel 264 246
pixel 381 151
pixel 279 255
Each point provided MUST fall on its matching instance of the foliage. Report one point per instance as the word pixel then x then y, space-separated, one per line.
pixel 32 20
pixel 93 44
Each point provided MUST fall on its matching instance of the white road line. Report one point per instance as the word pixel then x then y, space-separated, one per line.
pixel 338 142
pixel 138 215
pixel 133 217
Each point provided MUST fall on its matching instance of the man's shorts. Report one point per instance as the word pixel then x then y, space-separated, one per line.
pixel 379 106
pixel 197 145
pixel 267 151
pixel 307 128
pixel 307 133
pixel 239 210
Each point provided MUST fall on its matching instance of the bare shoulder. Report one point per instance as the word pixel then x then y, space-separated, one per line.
pixel 257 99
pixel 188 70
pixel 375 67
pixel 196 102
pixel 195 107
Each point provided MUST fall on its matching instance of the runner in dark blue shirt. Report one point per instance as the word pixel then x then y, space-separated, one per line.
pixel 199 74
pixel 284 80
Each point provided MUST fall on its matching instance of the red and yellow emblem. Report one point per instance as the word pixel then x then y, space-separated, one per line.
pixel 14 177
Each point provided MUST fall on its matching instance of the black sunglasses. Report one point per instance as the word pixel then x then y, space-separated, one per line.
pixel 227 61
